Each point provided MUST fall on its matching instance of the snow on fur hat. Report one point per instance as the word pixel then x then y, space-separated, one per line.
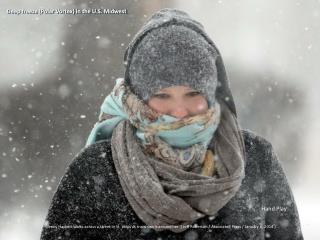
pixel 173 49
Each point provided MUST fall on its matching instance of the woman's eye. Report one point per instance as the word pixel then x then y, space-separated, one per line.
pixel 160 95
pixel 164 96
pixel 193 93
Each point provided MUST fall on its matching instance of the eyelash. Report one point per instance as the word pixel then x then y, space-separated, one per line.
pixel 165 95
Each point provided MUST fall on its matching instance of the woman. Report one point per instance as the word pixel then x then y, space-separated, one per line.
pixel 167 158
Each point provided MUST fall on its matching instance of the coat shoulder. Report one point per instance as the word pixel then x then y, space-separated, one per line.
pixel 259 151
pixel 94 157
pixel 254 142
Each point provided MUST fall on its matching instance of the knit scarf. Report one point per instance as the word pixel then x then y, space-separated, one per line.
pixel 171 185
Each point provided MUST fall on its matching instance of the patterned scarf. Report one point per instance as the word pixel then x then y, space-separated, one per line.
pixel 179 142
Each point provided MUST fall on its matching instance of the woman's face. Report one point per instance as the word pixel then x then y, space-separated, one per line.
pixel 178 101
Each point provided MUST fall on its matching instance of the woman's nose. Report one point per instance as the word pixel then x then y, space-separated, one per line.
pixel 179 112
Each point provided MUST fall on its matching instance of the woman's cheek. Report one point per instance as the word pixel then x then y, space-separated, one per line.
pixel 158 105
pixel 198 105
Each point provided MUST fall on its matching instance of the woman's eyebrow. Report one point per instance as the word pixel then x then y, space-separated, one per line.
pixel 166 93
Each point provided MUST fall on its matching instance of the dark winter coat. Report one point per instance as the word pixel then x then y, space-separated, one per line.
pixel 89 202
pixel 90 194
